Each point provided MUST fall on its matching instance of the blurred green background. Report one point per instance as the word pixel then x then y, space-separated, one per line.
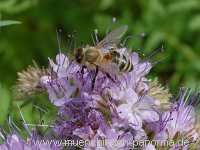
pixel 177 23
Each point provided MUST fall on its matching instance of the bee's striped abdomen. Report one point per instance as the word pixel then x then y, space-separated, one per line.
pixel 128 66
pixel 124 64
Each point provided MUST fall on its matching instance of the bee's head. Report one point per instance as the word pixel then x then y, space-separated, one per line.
pixel 78 54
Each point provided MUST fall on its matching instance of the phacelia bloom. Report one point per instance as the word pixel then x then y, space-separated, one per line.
pixel 179 122
pixel 14 142
pixel 60 84
pixel 121 106
pixel 113 110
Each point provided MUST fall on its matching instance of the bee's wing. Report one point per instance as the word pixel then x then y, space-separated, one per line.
pixel 113 38
pixel 108 66
pixel 111 68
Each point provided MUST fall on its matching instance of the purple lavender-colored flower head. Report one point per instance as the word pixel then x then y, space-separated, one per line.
pixel 119 107
pixel 179 122
pixel 111 109
pixel 15 142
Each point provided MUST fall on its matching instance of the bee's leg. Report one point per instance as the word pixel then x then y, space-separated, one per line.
pixel 95 75
pixel 82 73
pixel 109 76
pixel 82 69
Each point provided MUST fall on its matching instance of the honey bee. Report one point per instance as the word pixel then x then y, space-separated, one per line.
pixel 105 55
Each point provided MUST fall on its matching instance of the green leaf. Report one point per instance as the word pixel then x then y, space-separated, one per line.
pixel 13 6
pixel 183 6
pixel 106 4
pixel 156 7
pixel 103 22
pixel 5 5
pixel 195 23
pixel 8 22
pixel 5 103
pixel 154 40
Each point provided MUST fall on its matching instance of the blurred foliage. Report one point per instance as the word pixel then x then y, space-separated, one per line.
pixel 5 103
pixel 16 6
pixel 177 23
pixel 8 22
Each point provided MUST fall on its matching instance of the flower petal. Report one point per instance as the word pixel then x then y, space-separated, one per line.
pixel 149 115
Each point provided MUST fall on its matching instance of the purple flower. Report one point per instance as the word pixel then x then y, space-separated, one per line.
pixel 61 66
pixel 14 142
pixel 138 110
pixel 79 119
pixel 136 78
pixel 179 122
pixel 61 84
pixel 113 110
pixel 60 90
pixel 149 147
